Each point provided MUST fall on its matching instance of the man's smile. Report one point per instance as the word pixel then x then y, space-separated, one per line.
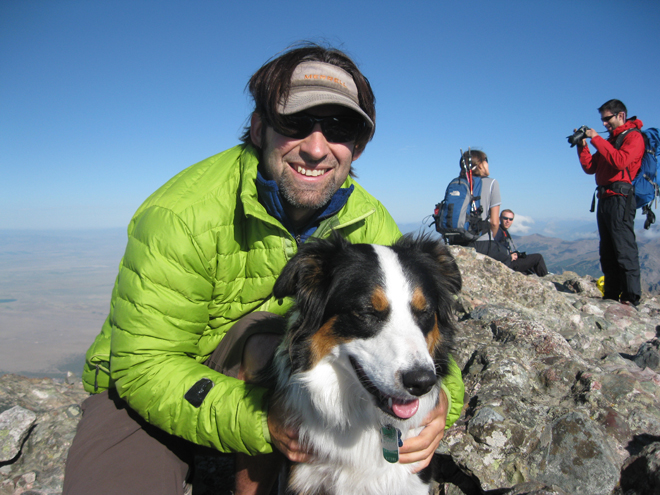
pixel 308 172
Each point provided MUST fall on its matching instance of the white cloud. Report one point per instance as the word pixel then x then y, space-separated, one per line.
pixel 521 225
pixel 652 233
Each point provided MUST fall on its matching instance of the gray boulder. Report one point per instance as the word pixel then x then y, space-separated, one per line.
pixel 15 424
pixel 648 355
pixel 553 392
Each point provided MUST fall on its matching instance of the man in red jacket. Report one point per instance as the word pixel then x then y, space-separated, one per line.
pixel 615 165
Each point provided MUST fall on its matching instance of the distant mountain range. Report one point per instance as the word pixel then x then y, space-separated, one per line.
pixel 581 255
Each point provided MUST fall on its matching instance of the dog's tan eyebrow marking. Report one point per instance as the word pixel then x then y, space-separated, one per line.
pixel 418 301
pixel 323 341
pixel 379 299
pixel 434 337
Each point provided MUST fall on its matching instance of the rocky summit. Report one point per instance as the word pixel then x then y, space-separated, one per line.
pixel 562 397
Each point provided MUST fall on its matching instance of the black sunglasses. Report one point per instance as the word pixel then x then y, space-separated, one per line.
pixel 510 219
pixel 336 129
pixel 608 118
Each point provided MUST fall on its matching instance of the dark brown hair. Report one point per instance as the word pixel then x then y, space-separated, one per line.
pixel 270 85
pixel 472 157
pixel 614 106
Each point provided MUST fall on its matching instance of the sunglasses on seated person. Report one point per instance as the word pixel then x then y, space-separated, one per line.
pixel 509 219
pixel 336 129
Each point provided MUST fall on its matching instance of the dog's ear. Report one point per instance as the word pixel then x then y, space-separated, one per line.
pixel 451 275
pixel 307 277
pixel 444 269
pixel 308 271
pixel 303 272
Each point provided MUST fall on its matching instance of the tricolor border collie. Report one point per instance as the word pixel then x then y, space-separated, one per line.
pixel 366 347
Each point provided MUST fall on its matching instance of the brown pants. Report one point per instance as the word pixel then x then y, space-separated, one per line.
pixel 115 451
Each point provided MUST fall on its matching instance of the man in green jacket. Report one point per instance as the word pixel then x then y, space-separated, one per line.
pixel 192 315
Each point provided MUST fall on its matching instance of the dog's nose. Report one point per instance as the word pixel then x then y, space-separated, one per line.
pixel 418 381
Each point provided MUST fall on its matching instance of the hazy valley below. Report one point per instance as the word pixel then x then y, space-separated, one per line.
pixel 55 289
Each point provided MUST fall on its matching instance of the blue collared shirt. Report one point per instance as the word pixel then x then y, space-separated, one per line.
pixel 269 196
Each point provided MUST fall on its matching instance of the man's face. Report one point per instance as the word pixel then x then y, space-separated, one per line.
pixel 506 219
pixel 308 171
pixel 611 121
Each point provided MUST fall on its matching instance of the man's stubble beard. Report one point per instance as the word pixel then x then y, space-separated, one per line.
pixel 311 199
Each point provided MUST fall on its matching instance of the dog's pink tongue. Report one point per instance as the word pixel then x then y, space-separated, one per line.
pixel 405 409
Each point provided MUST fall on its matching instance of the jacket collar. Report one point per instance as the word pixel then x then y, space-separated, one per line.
pixel 270 198
pixel 260 198
pixel 631 123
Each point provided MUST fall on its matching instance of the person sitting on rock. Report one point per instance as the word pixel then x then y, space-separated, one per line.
pixel 490 203
pixel 529 264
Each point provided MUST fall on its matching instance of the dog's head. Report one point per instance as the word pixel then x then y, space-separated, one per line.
pixel 383 314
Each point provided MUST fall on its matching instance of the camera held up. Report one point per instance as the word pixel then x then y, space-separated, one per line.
pixel 578 136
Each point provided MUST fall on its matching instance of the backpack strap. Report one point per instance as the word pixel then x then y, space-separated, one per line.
pixel 619 142
pixel 593 201
pixel 621 137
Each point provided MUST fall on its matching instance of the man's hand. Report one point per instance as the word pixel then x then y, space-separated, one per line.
pixel 590 133
pixel 285 438
pixel 422 447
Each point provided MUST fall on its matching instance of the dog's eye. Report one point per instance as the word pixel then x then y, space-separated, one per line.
pixel 425 311
pixel 369 316
pixel 424 314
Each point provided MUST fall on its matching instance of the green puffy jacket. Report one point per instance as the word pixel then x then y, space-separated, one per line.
pixel 202 252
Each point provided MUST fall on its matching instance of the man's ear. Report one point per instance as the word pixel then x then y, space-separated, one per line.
pixel 256 126
pixel 357 151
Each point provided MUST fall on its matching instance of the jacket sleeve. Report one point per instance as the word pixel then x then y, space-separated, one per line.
pixel 587 160
pixel 160 311
pixel 455 389
pixel 630 151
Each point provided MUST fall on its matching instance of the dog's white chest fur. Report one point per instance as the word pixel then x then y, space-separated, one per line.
pixel 338 420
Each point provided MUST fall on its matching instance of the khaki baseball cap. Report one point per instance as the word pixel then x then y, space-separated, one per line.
pixel 319 83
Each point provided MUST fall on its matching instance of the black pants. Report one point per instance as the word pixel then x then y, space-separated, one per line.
pixel 532 264
pixel 619 258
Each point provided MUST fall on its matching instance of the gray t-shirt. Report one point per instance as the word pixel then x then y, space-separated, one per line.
pixel 490 196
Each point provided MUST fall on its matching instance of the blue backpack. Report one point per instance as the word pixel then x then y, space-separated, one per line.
pixel 646 181
pixel 458 216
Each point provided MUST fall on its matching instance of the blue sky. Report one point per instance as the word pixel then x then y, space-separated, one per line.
pixel 101 102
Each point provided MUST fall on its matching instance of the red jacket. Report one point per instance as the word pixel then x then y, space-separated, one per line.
pixel 610 164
